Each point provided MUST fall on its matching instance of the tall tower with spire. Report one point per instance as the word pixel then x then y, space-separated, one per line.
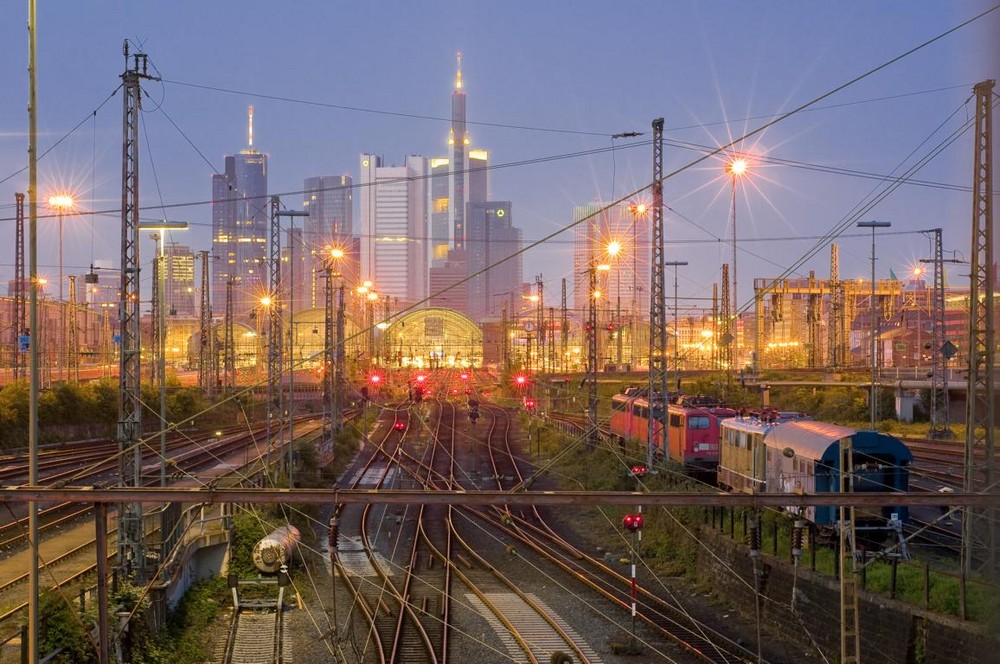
pixel 458 142
pixel 456 180
pixel 240 228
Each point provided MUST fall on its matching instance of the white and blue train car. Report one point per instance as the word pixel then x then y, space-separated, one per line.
pixel 804 457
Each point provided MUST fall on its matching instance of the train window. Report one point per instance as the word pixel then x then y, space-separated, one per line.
pixel 675 420
pixel 698 422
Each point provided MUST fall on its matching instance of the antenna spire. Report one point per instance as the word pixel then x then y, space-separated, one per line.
pixel 251 125
pixel 458 76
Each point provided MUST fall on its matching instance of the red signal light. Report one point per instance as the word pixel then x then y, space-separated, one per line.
pixel 400 425
pixel 374 379
pixel 521 381
pixel 639 470
pixel 529 403
pixel 632 522
pixel 465 376
pixel 421 378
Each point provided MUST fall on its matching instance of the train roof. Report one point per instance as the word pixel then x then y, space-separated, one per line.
pixel 819 440
pixel 753 424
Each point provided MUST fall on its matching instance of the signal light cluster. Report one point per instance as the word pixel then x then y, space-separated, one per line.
pixel 632 522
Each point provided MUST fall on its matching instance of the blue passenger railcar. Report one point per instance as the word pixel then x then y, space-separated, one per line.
pixel 804 457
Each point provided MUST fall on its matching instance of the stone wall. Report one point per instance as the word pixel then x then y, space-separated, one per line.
pixel 891 631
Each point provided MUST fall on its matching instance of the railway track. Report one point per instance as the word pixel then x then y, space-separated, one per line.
pixel 62 566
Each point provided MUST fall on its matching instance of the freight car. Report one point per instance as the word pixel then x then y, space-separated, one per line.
pixel 276 549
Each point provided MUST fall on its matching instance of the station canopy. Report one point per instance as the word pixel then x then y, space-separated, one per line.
pixel 432 338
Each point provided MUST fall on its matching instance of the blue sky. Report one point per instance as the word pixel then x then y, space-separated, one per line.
pixel 713 70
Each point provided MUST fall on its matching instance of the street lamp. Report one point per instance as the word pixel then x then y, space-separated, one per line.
pixel 737 168
pixel 61 203
pixel 872 398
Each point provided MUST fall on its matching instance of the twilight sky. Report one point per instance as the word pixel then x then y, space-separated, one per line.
pixel 548 80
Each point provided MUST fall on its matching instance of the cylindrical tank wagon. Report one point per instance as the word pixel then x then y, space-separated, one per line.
pixel 276 549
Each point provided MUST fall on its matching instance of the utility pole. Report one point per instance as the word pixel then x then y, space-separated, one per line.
pixel 20 328
pixel 156 308
pixel 591 378
pixel 836 325
pixel 813 317
pixel 73 353
pixel 540 320
pixel 715 327
pixel 31 652
pixel 677 335
pixel 727 338
pixel 850 623
pixel 941 349
pixel 339 367
pixel 657 389
pixel 979 529
pixel 563 327
pixel 206 377
pixel 329 387
pixel 274 345
pixel 229 341
pixel 131 547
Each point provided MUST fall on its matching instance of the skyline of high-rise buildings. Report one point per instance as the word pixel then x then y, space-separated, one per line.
pixel 423 225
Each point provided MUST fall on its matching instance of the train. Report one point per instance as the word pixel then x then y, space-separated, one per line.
pixel 768 455
pixel 276 549
pixel 692 427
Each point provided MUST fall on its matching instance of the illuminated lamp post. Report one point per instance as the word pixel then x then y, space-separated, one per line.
pixel 875 327
pixel 61 203
pixel 736 169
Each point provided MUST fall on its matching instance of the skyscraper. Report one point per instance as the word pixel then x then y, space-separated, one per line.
pixel 456 180
pixel 179 280
pixel 394 227
pixel 490 238
pixel 240 229
pixel 329 200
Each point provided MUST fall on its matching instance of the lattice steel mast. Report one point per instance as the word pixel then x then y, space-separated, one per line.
pixel 563 328
pixel 836 322
pixel 206 377
pixel 20 299
pixel 657 389
pixel 940 416
pixel 131 548
pixel 979 527
pixel 591 379
pixel 73 333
